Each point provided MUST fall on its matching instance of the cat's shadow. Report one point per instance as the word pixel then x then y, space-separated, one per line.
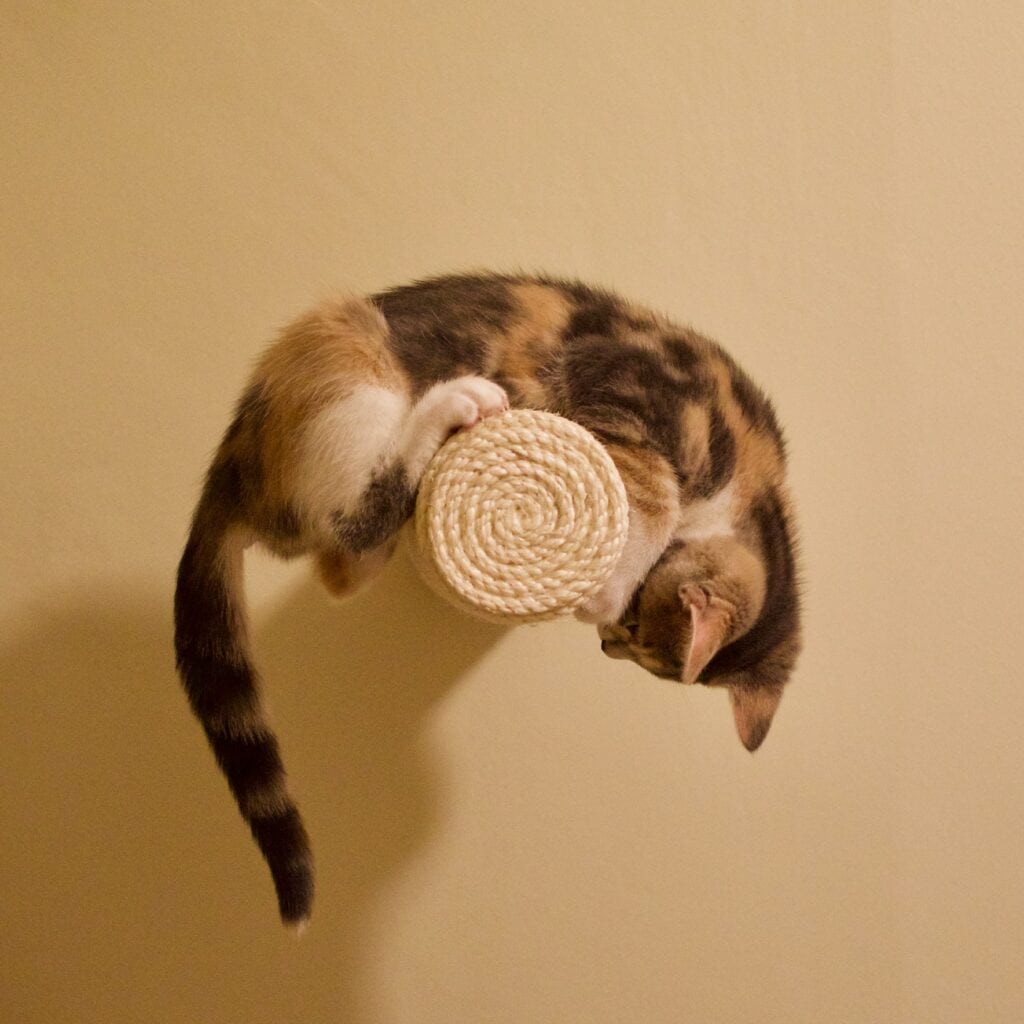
pixel 125 854
pixel 360 679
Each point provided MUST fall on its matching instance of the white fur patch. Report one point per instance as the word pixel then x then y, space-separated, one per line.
pixel 710 518
pixel 343 446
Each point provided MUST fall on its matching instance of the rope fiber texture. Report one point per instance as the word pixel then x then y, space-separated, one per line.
pixel 521 518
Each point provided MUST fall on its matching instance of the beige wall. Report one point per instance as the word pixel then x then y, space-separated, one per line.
pixel 510 828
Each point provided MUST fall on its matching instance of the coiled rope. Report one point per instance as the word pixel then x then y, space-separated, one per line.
pixel 521 518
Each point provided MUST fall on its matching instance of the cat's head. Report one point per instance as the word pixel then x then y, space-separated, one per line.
pixel 720 613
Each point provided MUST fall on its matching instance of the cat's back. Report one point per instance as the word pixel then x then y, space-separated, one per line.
pixel 514 328
pixel 510 328
pixel 628 373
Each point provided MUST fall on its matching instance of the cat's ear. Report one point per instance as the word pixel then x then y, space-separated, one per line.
pixel 710 620
pixel 753 709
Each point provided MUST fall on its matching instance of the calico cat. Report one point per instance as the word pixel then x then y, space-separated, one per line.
pixel 345 410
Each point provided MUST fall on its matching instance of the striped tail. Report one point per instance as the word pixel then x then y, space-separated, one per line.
pixel 212 648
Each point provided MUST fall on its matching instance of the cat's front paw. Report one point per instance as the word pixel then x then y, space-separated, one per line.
pixel 465 401
pixel 445 409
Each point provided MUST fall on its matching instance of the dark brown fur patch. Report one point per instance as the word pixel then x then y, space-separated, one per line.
pixel 387 503
pixel 681 353
pixel 721 456
pixel 250 414
pixel 439 328
pixel 282 839
pixel 755 404
pixel 281 525
pixel 600 315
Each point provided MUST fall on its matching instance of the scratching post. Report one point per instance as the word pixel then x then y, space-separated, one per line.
pixel 521 518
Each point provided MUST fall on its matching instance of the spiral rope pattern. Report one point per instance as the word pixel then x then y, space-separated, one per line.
pixel 521 518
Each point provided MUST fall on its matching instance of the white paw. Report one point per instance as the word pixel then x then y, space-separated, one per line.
pixel 447 407
pixel 463 402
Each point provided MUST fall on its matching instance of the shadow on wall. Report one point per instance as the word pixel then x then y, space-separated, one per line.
pixel 133 890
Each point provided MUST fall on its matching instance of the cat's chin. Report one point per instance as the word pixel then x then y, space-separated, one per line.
pixel 611 649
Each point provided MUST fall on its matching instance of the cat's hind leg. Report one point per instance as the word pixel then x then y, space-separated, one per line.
pixel 389 495
pixel 343 573
pixel 366 475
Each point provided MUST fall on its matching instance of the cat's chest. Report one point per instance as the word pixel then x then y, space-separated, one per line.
pixel 708 517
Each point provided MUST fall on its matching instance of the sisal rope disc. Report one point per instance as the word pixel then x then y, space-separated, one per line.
pixel 521 518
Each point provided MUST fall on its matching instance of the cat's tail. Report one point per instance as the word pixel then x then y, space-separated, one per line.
pixel 213 656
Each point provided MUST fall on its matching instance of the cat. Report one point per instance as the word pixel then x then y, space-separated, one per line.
pixel 346 409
